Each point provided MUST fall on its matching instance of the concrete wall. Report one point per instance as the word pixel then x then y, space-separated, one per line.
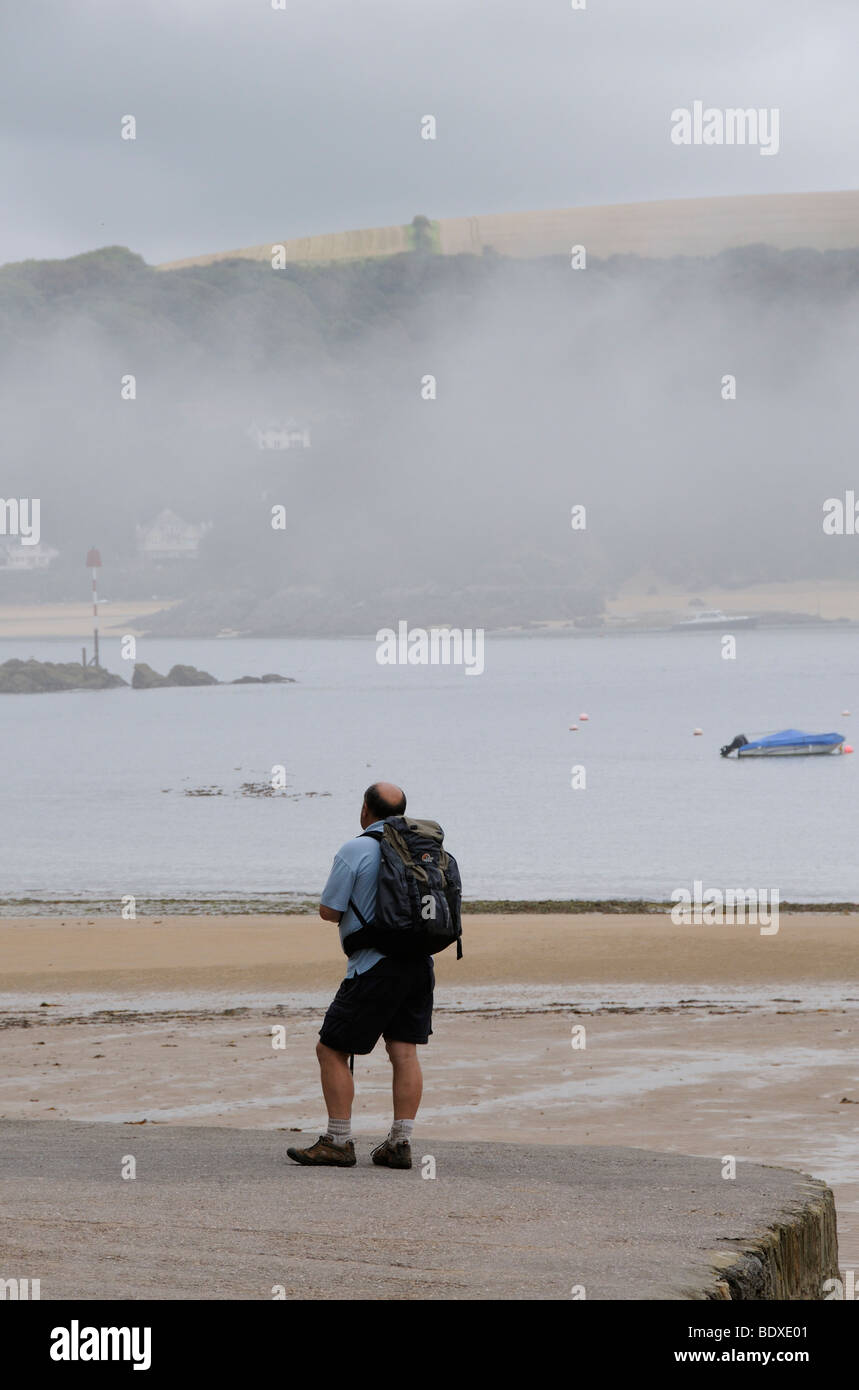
pixel 791 1260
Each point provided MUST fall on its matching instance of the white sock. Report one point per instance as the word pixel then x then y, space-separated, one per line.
pixel 401 1129
pixel 339 1131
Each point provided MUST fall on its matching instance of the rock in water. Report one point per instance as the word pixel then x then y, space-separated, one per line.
pixel 40 677
pixel 145 678
pixel 189 675
pixel 269 679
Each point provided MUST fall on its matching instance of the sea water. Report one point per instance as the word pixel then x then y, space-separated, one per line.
pixel 116 794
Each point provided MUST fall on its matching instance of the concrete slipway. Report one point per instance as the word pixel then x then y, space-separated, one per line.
pixel 223 1214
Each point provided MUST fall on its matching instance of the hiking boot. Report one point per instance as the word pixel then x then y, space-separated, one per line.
pixel 393 1155
pixel 325 1151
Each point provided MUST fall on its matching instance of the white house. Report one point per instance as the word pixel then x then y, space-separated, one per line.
pixel 15 556
pixel 168 537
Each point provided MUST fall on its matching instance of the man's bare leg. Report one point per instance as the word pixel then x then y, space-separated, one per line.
pixel 408 1082
pixel 335 1147
pixel 338 1087
pixel 408 1085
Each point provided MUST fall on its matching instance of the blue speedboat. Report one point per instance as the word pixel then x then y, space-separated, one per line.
pixel 786 743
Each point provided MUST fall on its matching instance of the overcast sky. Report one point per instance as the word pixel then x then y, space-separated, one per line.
pixel 256 124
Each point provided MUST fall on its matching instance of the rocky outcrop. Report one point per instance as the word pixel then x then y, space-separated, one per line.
pixel 189 675
pixel 147 679
pixel 42 677
pixel 269 679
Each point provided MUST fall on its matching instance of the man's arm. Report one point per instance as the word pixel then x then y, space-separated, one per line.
pixel 337 891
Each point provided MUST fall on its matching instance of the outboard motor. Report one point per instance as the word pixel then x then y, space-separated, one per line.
pixel 732 747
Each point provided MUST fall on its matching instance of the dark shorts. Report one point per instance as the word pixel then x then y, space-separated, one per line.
pixel 393 1000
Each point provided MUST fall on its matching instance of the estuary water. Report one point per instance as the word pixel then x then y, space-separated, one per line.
pixel 115 793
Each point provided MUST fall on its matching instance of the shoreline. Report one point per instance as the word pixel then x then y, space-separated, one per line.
pixel 828 606
pixel 77 910
pixel 553 628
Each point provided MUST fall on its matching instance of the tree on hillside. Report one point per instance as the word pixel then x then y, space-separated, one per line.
pixel 422 239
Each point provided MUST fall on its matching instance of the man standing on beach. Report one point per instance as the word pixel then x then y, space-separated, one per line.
pixel 380 997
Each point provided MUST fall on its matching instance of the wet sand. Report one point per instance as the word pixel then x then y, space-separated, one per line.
pixel 303 953
pixel 702 1040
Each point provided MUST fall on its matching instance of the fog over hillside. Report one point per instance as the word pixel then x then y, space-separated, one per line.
pixel 599 386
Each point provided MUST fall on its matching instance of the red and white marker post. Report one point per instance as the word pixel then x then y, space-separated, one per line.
pixel 93 561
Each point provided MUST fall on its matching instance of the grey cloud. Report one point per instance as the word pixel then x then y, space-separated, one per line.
pixel 255 124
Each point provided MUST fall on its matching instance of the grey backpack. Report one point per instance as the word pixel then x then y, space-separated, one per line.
pixel 419 895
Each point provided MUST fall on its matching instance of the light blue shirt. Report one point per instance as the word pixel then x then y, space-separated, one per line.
pixel 355 874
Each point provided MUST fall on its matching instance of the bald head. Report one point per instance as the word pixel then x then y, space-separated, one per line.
pixel 381 800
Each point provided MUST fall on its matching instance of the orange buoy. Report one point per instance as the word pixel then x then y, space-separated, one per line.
pixel 583 718
pixel 696 732
pixel 846 748
pixel 574 728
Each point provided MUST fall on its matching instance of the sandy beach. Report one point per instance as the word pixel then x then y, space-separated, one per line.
pixel 704 1040
pixel 38 620
pixel 828 598
pixel 300 952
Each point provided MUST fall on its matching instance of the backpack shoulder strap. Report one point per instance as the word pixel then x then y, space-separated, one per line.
pixel 370 835
pixel 359 914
